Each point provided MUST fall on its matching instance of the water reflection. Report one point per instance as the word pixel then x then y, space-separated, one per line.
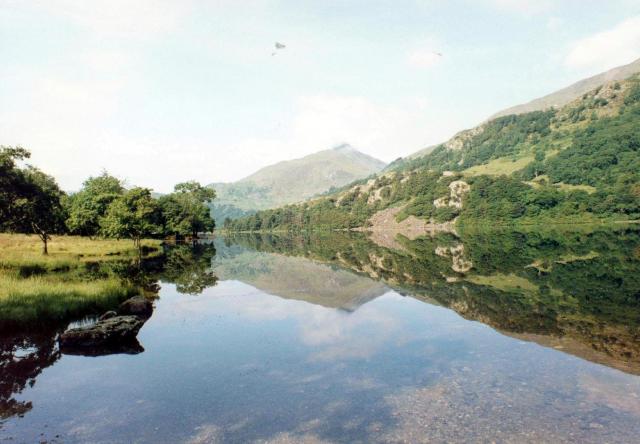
pixel 28 346
pixel 189 267
pixel 23 356
pixel 334 338
pixel 574 291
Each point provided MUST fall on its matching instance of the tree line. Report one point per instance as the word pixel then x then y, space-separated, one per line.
pixel 32 202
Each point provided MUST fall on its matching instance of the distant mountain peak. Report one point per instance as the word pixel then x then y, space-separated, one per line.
pixel 344 147
pixel 295 180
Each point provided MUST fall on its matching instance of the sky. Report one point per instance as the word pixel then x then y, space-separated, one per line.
pixel 158 92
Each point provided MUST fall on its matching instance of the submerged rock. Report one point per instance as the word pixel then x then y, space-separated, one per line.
pixel 111 331
pixel 137 306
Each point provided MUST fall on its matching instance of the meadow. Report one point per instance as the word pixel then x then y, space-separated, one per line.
pixel 79 275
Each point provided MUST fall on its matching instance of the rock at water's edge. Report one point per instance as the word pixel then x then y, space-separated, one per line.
pixel 108 315
pixel 115 330
pixel 137 306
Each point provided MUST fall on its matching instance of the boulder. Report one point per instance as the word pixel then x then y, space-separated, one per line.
pixel 137 306
pixel 115 330
pixel 108 315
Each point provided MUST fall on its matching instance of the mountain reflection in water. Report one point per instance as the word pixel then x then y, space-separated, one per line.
pixel 574 291
pixel 332 337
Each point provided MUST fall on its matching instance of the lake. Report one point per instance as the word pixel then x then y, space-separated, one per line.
pixel 505 336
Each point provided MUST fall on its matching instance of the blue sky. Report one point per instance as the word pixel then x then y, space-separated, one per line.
pixel 158 92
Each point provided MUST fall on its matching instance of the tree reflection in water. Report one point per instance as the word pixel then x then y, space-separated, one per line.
pixel 27 348
pixel 23 356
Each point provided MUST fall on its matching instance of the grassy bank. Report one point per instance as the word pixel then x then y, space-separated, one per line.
pixel 51 298
pixel 65 282
pixel 65 252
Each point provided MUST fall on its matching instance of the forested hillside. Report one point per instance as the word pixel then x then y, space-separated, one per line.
pixel 577 163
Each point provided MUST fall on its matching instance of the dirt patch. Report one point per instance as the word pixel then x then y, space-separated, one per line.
pixel 384 228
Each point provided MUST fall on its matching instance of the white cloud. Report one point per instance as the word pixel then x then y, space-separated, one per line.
pixel 606 49
pixel 71 140
pixel 333 334
pixel 380 129
pixel 108 61
pixel 526 7
pixel 120 18
pixel 61 113
pixel 555 23
pixel 425 55
pixel 319 122
pixel 424 58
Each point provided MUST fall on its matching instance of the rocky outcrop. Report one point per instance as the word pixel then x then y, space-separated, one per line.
pixel 457 190
pixel 459 263
pixel 383 228
pixel 137 306
pixel 108 315
pixel 111 330
pixel 457 142
pixel 114 332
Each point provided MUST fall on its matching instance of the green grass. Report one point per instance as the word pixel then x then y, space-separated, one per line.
pixel 65 252
pixel 568 258
pixel 51 297
pixel 497 167
pixel 510 283
pixel 567 187
pixel 37 287
pixel 504 282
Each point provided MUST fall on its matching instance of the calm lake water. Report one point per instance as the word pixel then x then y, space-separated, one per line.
pixel 505 337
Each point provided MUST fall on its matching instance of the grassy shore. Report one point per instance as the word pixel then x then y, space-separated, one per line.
pixel 65 252
pixel 35 287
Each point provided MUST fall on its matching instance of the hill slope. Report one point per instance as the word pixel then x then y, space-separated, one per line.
pixel 293 181
pixel 555 100
pixel 580 162
pixel 564 96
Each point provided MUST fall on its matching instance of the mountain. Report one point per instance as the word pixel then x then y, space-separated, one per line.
pixel 292 277
pixel 576 163
pixel 556 100
pixel 562 97
pixel 293 181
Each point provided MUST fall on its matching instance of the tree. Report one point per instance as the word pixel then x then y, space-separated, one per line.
pixel 185 211
pixel 134 215
pixel 43 210
pixel 11 181
pixel 30 200
pixel 87 206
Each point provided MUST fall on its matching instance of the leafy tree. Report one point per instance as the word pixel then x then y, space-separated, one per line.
pixel 133 215
pixel 30 200
pixel 11 181
pixel 185 211
pixel 90 204
pixel 40 209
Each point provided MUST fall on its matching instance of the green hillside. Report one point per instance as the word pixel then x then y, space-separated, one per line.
pixel 293 181
pixel 580 162
pixel 566 95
